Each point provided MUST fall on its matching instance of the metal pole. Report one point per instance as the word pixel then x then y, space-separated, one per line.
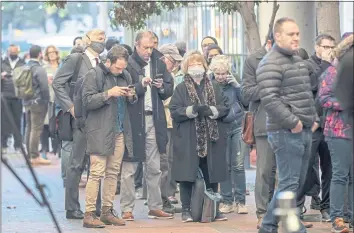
pixel 288 212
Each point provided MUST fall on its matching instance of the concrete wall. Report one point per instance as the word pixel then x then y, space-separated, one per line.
pixel 304 13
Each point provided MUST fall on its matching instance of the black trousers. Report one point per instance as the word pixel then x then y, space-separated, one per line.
pixel 45 136
pixel 77 161
pixel 139 176
pixel 186 186
pixel 15 107
pixel 320 157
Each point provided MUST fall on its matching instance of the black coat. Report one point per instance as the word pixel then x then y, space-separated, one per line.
pixel 102 113
pixel 185 159
pixel 137 117
pixel 7 84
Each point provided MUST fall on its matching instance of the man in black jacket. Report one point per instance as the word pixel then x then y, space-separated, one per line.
pixel 36 107
pixel 266 167
pixel 8 93
pixel 286 94
pixel 317 64
pixel 150 127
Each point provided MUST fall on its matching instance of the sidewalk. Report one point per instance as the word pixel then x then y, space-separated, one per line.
pixel 21 214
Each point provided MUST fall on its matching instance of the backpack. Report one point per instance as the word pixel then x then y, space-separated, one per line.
pixel 78 105
pixel 22 79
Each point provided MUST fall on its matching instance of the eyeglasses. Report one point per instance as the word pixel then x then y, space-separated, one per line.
pixel 327 47
pixel 206 45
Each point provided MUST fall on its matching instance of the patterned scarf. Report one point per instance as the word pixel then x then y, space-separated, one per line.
pixel 205 123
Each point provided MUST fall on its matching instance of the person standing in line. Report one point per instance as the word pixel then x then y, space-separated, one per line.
pixel 286 94
pixel 266 167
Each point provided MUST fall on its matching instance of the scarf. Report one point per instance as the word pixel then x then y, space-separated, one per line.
pixel 205 123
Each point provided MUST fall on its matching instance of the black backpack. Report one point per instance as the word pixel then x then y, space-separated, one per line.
pixel 78 105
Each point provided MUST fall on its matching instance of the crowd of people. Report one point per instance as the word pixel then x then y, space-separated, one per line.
pixel 143 121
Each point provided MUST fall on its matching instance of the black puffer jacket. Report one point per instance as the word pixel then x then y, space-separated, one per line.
pixel 285 90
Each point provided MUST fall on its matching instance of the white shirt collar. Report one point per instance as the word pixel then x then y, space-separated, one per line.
pixel 92 57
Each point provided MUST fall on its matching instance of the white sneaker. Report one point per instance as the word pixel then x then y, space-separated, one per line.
pixel 241 209
pixel 226 208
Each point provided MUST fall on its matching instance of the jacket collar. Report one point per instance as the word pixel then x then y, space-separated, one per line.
pixel 135 56
pixel 261 52
pixel 316 59
pixel 283 51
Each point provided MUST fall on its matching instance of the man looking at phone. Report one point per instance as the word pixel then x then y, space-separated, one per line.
pixel 149 73
pixel 105 94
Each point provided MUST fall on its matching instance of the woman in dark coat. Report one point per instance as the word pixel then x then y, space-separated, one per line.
pixel 199 135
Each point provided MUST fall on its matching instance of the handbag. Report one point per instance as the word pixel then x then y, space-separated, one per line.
pixel 204 202
pixel 247 129
pixel 65 130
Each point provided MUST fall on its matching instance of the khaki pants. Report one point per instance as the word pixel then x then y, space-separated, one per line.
pixel 106 167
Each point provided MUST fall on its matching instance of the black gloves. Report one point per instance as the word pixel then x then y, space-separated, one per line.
pixel 202 110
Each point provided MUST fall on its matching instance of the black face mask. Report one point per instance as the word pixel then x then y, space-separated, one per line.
pixel 13 57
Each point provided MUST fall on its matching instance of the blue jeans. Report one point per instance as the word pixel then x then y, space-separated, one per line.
pixel 292 152
pixel 342 173
pixel 237 178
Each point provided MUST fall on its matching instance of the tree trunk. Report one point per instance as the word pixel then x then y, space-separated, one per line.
pixel 328 20
pixel 253 38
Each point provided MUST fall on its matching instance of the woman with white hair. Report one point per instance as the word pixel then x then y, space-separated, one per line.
pixel 233 189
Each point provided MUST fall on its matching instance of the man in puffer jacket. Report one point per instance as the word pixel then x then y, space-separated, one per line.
pixel 220 68
pixel 285 91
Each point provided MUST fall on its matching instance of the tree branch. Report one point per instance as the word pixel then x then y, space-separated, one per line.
pixel 272 19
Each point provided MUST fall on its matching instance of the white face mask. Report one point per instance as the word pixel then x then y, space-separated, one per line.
pixel 196 72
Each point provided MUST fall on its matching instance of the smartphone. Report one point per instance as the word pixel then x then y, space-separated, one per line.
pixel 158 78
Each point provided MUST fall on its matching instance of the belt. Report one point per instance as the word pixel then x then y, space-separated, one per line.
pixel 148 113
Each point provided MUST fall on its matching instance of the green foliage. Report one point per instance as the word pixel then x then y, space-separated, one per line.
pixel 134 14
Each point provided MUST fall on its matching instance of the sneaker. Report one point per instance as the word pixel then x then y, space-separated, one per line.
pixel 247 192
pixel 259 223
pixel 92 221
pixel 167 206
pixel 307 224
pixel 338 226
pixel 110 217
pixel 159 214
pixel 226 208
pixel 40 161
pixel 173 200
pixel 304 210
pixel 220 217
pixel 315 203
pixel 241 208
pixel 187 216
pixel 128 216
pixel 325 216
pixel 139 194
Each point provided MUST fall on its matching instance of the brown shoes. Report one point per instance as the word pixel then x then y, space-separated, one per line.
pixel 128 216
pixel 92 221
pixel 159 214
pixel 110 217
pixel 40 161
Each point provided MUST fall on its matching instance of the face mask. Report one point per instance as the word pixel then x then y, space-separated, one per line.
pixel 196 72
pixel 98 47
pixel 13 56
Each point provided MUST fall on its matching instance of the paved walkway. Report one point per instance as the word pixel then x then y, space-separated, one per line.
pixel 21 214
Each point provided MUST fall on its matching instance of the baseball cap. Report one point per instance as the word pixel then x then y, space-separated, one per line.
pixel 171 49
